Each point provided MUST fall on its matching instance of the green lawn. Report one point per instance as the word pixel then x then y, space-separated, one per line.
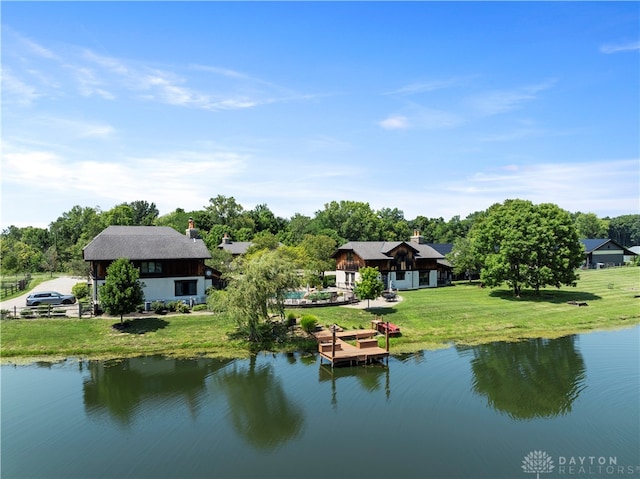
pixel 430 318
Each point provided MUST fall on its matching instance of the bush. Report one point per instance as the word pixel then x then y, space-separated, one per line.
pixel 291 319
pixel 80 290
pixel 158 307
pixel 329 280
pixel 172 306
pixel 182 308
pixel 217 301
pixel 199 307
pixel 309 323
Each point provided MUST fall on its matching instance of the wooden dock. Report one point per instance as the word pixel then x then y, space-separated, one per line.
pixel 333 347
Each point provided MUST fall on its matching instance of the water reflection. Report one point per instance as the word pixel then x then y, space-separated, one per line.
pixel 370 378
pixel 260 411
pixel 529 379
pixel 120 387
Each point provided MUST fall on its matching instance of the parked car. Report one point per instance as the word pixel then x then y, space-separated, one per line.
pixel 49 297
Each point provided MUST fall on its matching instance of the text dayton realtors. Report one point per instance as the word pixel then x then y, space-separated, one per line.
pixel 594 465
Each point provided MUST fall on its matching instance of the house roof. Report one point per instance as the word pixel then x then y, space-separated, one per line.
pixel 442 248
pixel 144 243
pixel 592 244
pixel 380 250
pixel 235 247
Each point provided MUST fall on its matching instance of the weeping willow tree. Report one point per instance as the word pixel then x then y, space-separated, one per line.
pixel 257 287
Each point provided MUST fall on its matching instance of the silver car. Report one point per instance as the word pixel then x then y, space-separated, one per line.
pixel 49 297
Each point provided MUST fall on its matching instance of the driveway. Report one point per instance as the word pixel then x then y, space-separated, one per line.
pixel 61 285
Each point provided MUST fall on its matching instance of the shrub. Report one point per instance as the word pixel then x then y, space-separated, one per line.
pixel 291 319
pixel 172 306
pixel 199 307
pixel 158 307
pixel 309 323
pixel 80 290
pixel 182 308
pixel 27 313
pixel 217 301
pixel 4 313
pixel 329 280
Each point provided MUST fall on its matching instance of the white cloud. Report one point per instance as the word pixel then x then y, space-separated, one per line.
pixel 395 122
pixel 427 86
pixel 502 101
pixel 106 77
pixel 21 92
pixel 620 47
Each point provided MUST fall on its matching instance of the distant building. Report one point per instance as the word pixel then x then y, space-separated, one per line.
pixel 603 252
pixel 236 248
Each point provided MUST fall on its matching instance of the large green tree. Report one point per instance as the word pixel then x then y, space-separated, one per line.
pixel 369 286
pixel 122 290
pixel 625 230
pixel 527 245
pixel 590 226
pixel 464 258
pixel 256 286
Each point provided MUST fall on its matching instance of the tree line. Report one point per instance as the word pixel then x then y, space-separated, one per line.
pixel 59 247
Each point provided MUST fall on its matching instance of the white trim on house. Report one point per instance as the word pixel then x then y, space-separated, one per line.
pixel 163 289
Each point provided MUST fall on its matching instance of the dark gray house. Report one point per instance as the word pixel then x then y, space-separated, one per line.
pixel 603 252
pixel 236 248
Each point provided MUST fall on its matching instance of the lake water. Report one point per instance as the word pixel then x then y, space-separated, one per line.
pixel 563 408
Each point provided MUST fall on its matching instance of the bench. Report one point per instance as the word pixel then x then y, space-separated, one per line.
pixel 367 343
pixel 577 303
pixel 326 347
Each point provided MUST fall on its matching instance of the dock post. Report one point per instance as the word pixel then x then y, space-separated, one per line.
pixel 387 336
pixel 333 344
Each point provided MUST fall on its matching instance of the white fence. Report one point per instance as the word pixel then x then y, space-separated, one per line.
pixel 78 310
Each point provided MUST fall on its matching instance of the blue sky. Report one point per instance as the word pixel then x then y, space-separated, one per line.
pixel 438 109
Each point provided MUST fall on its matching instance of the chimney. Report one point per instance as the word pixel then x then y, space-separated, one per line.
pixel 192 232
pixel 417 237
pixel 226 239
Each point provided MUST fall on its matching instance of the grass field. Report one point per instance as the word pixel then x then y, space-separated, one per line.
pixel 430 318
pixel 36 279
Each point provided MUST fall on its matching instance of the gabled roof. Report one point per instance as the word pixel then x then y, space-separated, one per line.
pixel 592 244
pixel 380 250
pixel 235 247
pixel 143 243
pixel 442 248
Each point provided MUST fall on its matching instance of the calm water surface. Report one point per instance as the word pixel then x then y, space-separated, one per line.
pixel 476 412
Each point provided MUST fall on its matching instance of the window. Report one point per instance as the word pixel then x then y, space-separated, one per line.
pixel 400 276
pixel 151 267
pixel 424 278
pixel 186 288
